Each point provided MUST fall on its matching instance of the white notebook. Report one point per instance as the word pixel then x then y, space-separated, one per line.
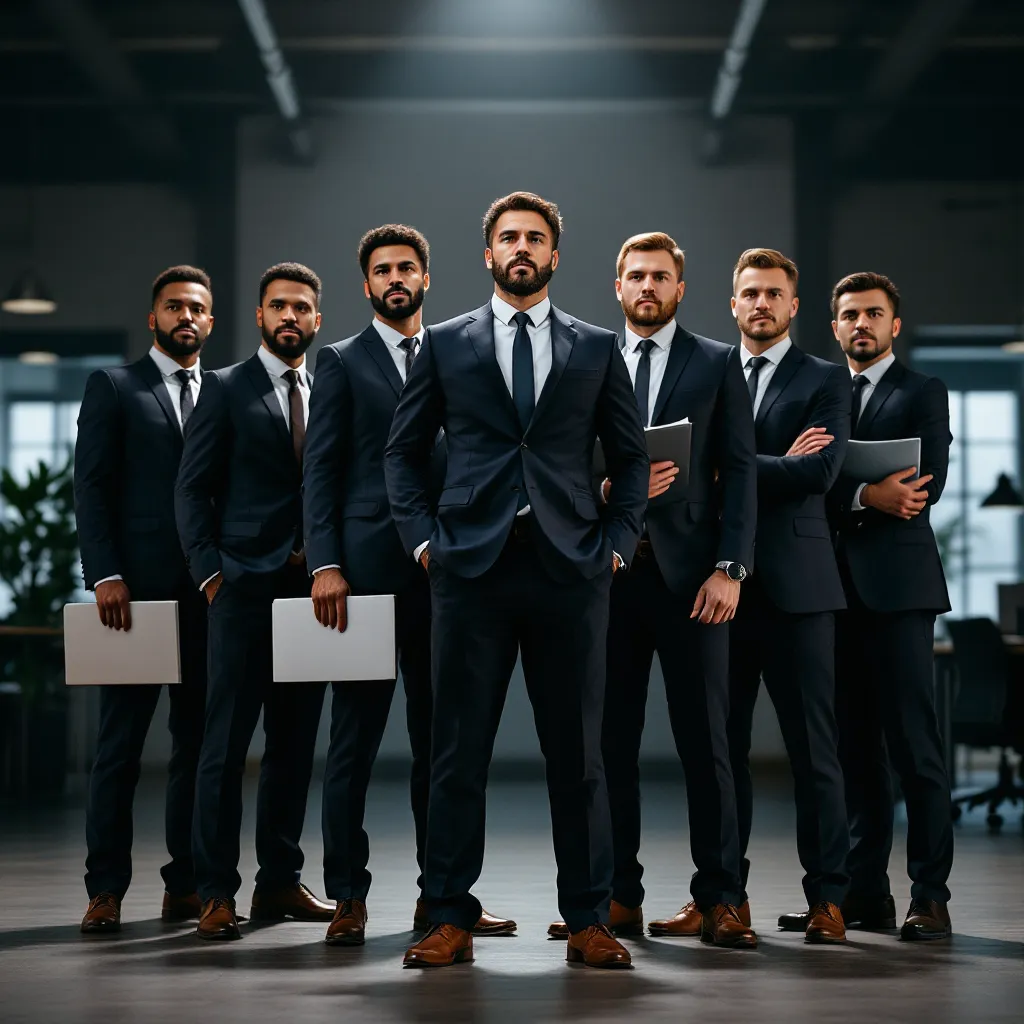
pixel 147 654
pixel 305 651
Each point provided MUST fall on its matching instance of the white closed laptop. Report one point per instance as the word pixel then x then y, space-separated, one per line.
pixel 305 651
pixel 147 654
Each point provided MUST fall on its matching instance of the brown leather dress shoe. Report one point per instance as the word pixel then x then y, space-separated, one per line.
pixel 926 921
pixel 349 925
pixel 687 923
pixel 217 921
pixel 295 902
pixel 488 925
pixel 103 916
pixel 622 920
pixel 825 924
pixel 722 925
pixel 442 946
pixel 180 908
pixel 858 913
pixel 597 947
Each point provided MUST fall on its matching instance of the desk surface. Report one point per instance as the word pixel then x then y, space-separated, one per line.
pixel 1014 645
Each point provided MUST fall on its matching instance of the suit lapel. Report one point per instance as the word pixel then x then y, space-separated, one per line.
pixel 783 374
pixel 481 336
pixel 260 380
pixel 563 337
pixel 151 374
pixel 678 356
pixel 879 396
pixel 377 347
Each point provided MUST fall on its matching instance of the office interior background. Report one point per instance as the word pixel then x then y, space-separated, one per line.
pixel 851 134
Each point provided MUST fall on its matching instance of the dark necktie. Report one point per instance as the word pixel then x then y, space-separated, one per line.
pixel 755 365
pixel 859 383
pixel 408 345
pixel 642 383
pixel 522 371
pixel 296 414
pixel 186 403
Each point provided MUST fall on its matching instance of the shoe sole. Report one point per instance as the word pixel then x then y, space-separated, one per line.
pixel 113 929
pixel 343 940
pixel 509 929
pixel 224 937
pixel 664 933
pixel 733 944
pixel 918 937
pixel 575 956
pixel 463 957
pixel 817 939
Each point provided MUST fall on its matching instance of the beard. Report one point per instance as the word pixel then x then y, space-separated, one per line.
pixel 525 284
pixel 656 315
pixel 869 352
pixel 287 348
pixel 765 330
pixel 180 348
pixel 403 310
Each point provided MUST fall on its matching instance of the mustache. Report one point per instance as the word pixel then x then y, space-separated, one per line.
pixel 290 328
pixel 521 261
pixel 398 289
pixel 864 335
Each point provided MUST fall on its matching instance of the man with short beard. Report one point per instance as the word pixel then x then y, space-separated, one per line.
pixel 238 506
pixel 126 461
pixel 353 548
pixel 785 625
pixel 892 575
pixel 678 595
pixel 519 559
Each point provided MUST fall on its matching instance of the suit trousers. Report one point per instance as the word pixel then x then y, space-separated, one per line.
pixel 795 654
pixel 125 716
pixel 885 704
pixel 240 686
pixel 559 628
pixel 647 617
pixel 359 713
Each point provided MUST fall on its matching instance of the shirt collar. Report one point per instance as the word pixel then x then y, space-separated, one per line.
pixel 875 373
pixel 277 367
pixel 774 355
pixel 166 365
pixel 662 337
pixel 503 312
pixel 392 337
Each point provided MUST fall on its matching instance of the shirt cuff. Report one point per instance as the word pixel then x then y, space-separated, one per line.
pixel 622 561
pixel 420 548
pixel 856 505
pixel 322 567
pixel 600 491
pixel 108 579
pixel 207 582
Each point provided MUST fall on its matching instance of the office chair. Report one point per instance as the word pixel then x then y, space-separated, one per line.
pixel 987 709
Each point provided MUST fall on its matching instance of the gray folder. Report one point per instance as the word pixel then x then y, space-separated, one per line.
pixel 147 654
pixel 669 442
pixel 872 461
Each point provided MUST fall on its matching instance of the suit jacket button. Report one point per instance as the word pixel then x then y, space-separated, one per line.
pixel 523 445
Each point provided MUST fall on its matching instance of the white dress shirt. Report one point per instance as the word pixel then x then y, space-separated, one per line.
pixel 774 355
pixel 659 360
pixel 872 375
pixel 393 339
pixel 168 368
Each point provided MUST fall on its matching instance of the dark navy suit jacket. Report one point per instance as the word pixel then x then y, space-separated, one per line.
pixel 456 384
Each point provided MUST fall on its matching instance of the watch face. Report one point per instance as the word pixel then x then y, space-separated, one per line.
pixel 737 571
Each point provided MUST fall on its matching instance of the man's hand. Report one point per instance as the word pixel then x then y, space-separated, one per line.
pixel 330 594
pixel 896 498
pixel 717 599
pixel 425 557
pixel 662 475
pixel 811 441
pixel 211 588
pixel 112 599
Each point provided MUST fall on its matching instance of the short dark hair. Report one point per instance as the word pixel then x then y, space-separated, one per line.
pixel 865 281
pixel 652 241
pixel 523 201
pixel 765 259
pixel 182 272
pixel 291 272
pixel 393 234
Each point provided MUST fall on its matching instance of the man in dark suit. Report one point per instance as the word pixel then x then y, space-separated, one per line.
pixel 352 547
pixel 678 594
pixel 239 512
pixel 895 587
pixel 520 559
pixel 785 625
pixel 126 461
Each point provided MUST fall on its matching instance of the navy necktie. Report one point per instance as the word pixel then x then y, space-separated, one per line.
pixel 409 346
pixel 642 383
pixel 755 365
pixel 859 383
pixel 522 371
pixel 186 403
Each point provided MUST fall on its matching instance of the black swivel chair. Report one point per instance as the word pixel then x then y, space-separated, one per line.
pixel 988 708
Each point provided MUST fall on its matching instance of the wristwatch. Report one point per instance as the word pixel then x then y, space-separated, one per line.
pixel 734 570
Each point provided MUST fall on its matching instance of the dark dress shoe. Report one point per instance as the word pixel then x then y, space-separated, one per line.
pixel 217 921
pixel 825 924
pixel 295 902
pixel 597 947
pixel 858 913
pixel 622 920
pixel 442 946
pixel 926 920
pixel 180 908
pixel 103 916
pixel 488 925
pixel 349 925
pixel 721 925
pixel 687 923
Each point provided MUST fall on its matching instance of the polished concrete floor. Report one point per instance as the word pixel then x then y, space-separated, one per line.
pixel 156 973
